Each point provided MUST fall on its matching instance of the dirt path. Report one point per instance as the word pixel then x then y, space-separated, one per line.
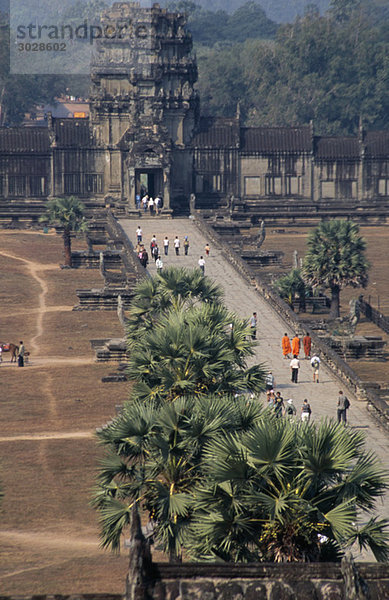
pixel 33 311
pixel 52 361
pixel 55 435
pixel 34 268
pixel 52 544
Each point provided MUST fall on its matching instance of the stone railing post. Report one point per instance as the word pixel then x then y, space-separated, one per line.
pixel 355 587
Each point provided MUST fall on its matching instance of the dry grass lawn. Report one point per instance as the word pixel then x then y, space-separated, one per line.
pixel 49 412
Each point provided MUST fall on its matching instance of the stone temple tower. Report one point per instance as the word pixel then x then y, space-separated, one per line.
pixel 143 105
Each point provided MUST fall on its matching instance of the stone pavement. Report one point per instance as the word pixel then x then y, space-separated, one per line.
pixel 244 300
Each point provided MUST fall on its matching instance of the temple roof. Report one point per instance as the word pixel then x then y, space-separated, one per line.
pixel 217 132
pixel 72 132
pixel 337 148
pixel 276 139
pixel 377 144
pixel 24 139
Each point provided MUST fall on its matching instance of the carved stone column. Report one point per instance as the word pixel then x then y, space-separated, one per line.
pixel 355 587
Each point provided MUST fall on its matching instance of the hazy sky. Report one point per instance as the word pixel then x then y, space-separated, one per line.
pixel 278 10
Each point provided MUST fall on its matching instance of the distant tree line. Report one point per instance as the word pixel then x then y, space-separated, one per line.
pixel 331 69
pixel 280 11
pixel 211 27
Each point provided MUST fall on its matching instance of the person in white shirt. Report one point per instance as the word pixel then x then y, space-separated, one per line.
pixel 139 234
pixel 145 202
pixel 269 381
pixel 177 245
pixel 159 264
pixel 166 245
pixel 315 364
pixel 151 206
pixel 157 203
pixel 294 367
pixel 253 326
pixel 202 264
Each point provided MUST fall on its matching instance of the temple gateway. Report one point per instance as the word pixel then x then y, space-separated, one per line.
pixel 146 133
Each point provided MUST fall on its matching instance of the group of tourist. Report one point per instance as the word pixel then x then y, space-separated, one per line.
pixel 155 250
pixel 293 347
pixel 289 346
pixel 275 401
pixel 149 204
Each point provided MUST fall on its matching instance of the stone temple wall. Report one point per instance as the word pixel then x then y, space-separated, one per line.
pixel 296 581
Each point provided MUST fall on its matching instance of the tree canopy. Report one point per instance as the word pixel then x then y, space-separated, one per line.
pixel 212 27
pixel 66 213
pixel 183 341
pixel 292 286
pixel 222 479
pixel 331 69
pixel 336 259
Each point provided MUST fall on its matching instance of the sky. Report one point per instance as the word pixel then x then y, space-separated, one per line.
pixel 277 10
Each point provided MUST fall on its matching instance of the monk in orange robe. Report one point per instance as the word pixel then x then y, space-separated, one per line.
pixel 286 347
pixel 307 342
pixel 296 345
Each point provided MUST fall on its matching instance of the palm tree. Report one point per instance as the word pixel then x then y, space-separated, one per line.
pixel 183 341
pixel 219 477
pixel 67 213
pixel 336 259
pixel 290 286
pixel 285 493
pixel 202 350
pixel 154 458
pixel 172 288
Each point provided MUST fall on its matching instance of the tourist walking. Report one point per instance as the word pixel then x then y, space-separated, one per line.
pixel 307 343
pixel 155 252
pixel 202 264
pixel 296 345
pixel 270 396
pixel 153 242
pixel 279 406
pixel 166 245
pixel 137 201
pixel 139 234
pixel 343 406
pixel 286 347
pixel 253 326
pixel 145 202
pixel 159 265
pixel 177 245
pixel 290 410
pixel 144 260
pixel 207 250
pixel 306 411
pixel 315 364
pixel 294 367
pixel 269 382
pixel 157 204
pixel 151 206
pixel 21 354
pixel 186 245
